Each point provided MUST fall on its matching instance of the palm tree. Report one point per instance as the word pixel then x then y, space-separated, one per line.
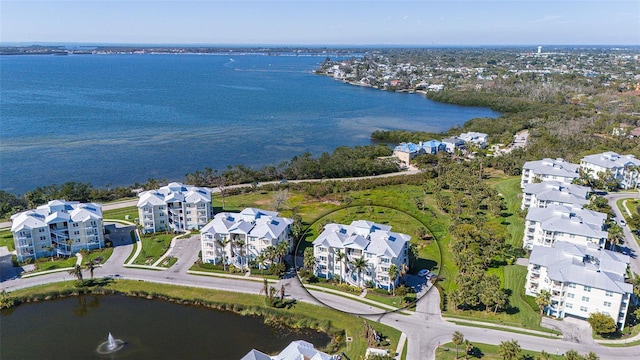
pixel 223 244
pixel 457 339
pixel 240 243
pixel 339 256
pixel 261 259
pixel 90 265
pixel 281 250
pixel 50 250
pixel 509 350
pixel 468 346
pixel 77 272
pixel 358 266
pixel 543 299
pixel 393 274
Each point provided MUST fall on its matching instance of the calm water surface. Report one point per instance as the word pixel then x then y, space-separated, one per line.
pixel 120 119
pixel 73 328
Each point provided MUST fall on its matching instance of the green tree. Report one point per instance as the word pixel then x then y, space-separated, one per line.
pixel 76 271
pixel 543 299
pixel 339 256
pixel 543 356
pixel 359 265
pixel 572 355
pixel 458 339
pixel 309 260
pixel 393 274
pixel 91 266
pixel 509 350
pixel 261 260
pixel 602 323
pixel 468 346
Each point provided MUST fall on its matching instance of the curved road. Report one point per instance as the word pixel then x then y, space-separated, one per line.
pixel 425 329
pixel 629 239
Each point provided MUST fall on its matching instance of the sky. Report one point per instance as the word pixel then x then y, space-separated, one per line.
pixel 322 22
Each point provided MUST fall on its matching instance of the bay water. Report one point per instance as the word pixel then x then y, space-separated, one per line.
pixel 117 119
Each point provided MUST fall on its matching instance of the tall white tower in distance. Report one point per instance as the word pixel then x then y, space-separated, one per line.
pixel 539 49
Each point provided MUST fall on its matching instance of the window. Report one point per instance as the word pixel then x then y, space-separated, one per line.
pixel 572 286
pixel 41 230
pixel 587 288
pixel 42 237
pixel 369 256
pixel 188 212
pixel 323 258
pixel 571 295
pixel 607 304
pixel 583 308
pixel 609 293
pixel 188 219
pixel 76 232
pixel 75 224
pixel 569 306
pixel 572 236
pixel 585 298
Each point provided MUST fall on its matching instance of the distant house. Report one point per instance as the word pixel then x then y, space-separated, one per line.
pixel 623 168
pixel 238 238
pixel 176 207
pixel 476 138
pixel 405 152
pixel 549 169
pixel 453 143
pixel 546 226
pixel 582 279
pixel 547 193
pixel 372 242
pixel 57 228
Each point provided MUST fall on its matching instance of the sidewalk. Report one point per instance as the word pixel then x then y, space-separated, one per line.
pixel 499 326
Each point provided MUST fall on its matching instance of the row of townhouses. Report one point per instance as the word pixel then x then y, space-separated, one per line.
pixel 568 258
pixel 622 168
pixel 339 246
pixel 57 228
pixel 407 151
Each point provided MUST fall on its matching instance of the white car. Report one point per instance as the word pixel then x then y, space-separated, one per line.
pixel 622 222
pixel 424 272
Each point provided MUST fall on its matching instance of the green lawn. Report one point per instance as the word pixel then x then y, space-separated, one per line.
pixel 153 246
pixel 121 214
pixel 352 325
pixel 6 239
pixel 512 194
pixel 45 263
pixel 482 351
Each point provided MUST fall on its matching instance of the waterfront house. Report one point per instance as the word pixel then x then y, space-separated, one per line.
pixel 453 143
pixel 405 152
pixel 175 207
pixel 546 193
pixel 582 279
pixel 549 169
pixel 57 228
pixel 238 238
pixel 475 138
pixel 546 226
pixel 375 243
pixel 622 168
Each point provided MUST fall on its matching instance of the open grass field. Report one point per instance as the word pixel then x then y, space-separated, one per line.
pixel 121 214
pixel 6 239
pixel 153 246
pixel 511 192
pixel 353 325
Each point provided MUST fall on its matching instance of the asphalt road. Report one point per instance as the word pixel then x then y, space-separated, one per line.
pixel 629 239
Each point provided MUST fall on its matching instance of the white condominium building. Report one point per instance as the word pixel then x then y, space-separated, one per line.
pixel 621 167
pixel 176 207
pixel 546 226
pixel 237 238
pixel 581 280
pixel 548 169
pixel 296 350
pixel 57 228
pixel 549 193
pixel 374 243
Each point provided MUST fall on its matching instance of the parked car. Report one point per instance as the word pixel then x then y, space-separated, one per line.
pixel 622 222
pixel 424 273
